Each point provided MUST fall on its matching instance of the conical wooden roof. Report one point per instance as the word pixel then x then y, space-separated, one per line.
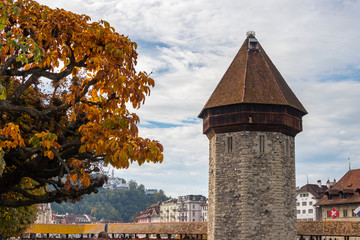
pixel 252 78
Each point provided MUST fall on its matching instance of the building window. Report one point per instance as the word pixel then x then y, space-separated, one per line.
pixel 310 210
pixel 303 203
pixel 298 203
pixel 262 143
pixel 344 213
pixel 193 214
pixel 310 203
pixel 229 144
pixel 304 211
pixel 298 211
pixel 287 150
pixel 353 214
pixel 193 206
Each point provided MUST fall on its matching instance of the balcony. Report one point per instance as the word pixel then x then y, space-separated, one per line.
pixel 181 209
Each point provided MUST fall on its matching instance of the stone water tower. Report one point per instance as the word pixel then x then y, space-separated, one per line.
pixel 251 120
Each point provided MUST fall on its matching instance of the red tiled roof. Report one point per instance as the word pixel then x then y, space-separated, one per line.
pixel 349 185
pixel 252 78
pixel 154 209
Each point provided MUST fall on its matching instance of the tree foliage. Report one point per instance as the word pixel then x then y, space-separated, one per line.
pixel 65 84
pixel 117 205
pixel 14 221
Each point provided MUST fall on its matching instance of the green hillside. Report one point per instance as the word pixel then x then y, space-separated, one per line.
pixel 117 205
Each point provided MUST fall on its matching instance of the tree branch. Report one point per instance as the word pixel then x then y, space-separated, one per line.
pixel 11 60
pixel 6 106
pixel 18 91
pixel 58 195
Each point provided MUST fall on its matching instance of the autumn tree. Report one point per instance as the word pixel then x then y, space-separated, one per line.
pixel 66 85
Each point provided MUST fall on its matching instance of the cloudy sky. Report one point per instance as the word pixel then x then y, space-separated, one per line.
pixel 188 46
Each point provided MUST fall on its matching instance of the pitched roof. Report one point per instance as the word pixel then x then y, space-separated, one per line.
pixel 349 184
pixel 314 189
pixel 252 78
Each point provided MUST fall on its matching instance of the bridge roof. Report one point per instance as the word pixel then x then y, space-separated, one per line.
pixel 124 228
pixel 304 228
pixel 328 228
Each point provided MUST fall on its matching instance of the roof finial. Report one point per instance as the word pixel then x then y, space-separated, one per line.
pixel 349 164
pixel 250 33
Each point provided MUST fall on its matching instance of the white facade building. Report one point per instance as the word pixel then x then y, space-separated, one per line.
pixel 204 211
pixel 189 208
pixel 306 197
pixel 168 211
pixel 44 214
pixel 116 183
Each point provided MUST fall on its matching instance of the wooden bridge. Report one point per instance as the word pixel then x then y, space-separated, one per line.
pixel 310 230
pixel 173 230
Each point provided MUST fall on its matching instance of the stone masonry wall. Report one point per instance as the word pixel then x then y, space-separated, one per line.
pixel 252 192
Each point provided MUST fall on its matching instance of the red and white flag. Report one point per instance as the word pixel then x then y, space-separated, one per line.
pixel 334 213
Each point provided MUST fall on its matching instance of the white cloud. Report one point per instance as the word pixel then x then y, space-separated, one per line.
pixel 189 45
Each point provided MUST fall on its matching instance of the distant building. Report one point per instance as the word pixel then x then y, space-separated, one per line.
pixel 73 219
pixel 204 211
pixel 343 197
pixel 44 214
pixel 145 216
pixel 189 208
pixel 150 191
pixel 155 216
pixel 116 183
pixel 306 197
pixel 168 210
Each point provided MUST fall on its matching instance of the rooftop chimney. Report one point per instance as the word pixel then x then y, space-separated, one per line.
pixel 319 183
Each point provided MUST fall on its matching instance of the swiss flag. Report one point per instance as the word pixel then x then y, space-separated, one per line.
pixel 334 213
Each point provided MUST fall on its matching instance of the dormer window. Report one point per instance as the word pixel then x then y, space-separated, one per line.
pixel 329 196
pixel 253 44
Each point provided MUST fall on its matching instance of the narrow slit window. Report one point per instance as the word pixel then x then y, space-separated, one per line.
pixel 287 148
pixel 262 143
pixel 229 144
